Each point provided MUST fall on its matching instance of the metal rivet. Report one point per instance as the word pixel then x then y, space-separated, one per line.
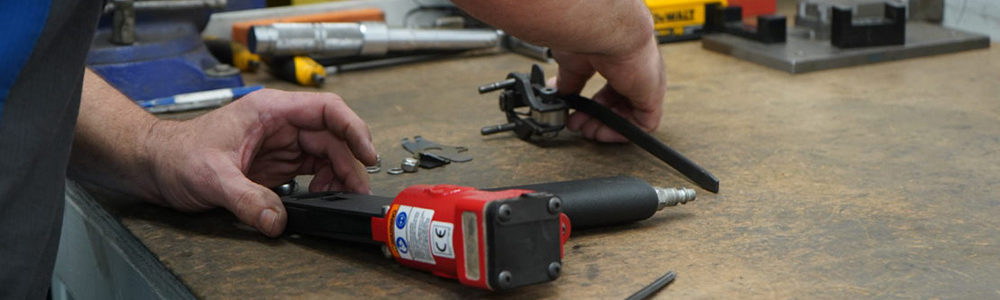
pixel 503 213
pixel 555 205
pixel 555 268
pixel 504 279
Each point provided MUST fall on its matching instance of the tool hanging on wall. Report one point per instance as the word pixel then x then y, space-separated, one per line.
pixel 479 237
pixel 549 110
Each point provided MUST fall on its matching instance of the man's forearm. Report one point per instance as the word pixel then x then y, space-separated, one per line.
pixel 609 27
pixel 108 147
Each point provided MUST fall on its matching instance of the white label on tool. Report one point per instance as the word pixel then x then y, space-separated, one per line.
pixel 412 231
pixel 441 239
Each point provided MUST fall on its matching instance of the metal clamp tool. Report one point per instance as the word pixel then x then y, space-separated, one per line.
pixel 548 112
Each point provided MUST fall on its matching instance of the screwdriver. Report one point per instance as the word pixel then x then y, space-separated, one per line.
pixel 300 69
pixel 306 71
pixel 234 54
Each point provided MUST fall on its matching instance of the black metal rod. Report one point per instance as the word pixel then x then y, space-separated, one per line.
pixel 657 284
pixel 488 130
pixel 675 159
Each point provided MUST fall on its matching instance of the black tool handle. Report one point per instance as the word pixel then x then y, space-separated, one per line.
pixel 599 202
pixel 696 173
pixel 336 215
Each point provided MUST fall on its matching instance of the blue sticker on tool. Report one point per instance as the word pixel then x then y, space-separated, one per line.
pixel 401 245
pixel 401 220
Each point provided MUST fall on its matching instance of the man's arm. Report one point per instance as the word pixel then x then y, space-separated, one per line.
pixel 224 158
pixel 610 37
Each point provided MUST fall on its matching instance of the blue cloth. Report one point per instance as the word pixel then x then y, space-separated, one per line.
pixel 21 22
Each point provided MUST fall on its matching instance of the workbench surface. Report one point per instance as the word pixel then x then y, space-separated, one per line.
pixel 872 181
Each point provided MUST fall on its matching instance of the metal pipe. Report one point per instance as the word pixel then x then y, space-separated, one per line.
pixel 169 4
pixel 365 38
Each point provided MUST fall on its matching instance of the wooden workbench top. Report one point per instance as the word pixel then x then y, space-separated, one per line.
pixel 871 181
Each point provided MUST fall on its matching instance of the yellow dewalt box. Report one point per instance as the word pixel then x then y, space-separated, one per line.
pixel 678 20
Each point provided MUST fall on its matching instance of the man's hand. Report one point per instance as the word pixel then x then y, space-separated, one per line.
pixel 610 37
pixel 635 88
pixel 229 157
pixel 225 158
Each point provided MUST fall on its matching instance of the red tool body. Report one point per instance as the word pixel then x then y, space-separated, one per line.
pixel 490 239
pixel 425 229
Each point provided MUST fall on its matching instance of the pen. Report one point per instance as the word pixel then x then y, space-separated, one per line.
pixel 196 100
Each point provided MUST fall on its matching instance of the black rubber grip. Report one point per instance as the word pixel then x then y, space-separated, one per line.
pixel 336 215
pixel 601 201
pixel 675 159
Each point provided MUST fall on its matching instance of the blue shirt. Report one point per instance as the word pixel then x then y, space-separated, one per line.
pixel 43 45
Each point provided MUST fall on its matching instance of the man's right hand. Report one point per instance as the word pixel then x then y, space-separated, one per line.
pixel 611 37
pixel 635 88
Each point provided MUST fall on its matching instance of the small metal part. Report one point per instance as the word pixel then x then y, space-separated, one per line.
pixel 377 167
pixel 123 22
pixel 504 212
pixel 410 164
pixel 222 70
pixel 504 278
pixel 671 197
pixel 555 268
pixel 521 47
pixel 318 79
pixel 486 88
pixel 449 153
pixel 386 252
pixel 431 160
pixel 555 205
pixel 286 189
pixel 395 171
pixel 550 118
pixel 652 288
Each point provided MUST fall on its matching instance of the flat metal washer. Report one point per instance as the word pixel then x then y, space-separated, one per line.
pixel 395 171
pixel 377 167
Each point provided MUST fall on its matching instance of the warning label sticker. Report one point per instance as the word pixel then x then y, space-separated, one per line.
pixel 412 233
pixel 441 239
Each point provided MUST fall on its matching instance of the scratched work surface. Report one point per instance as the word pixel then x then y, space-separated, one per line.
pixel 873 181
